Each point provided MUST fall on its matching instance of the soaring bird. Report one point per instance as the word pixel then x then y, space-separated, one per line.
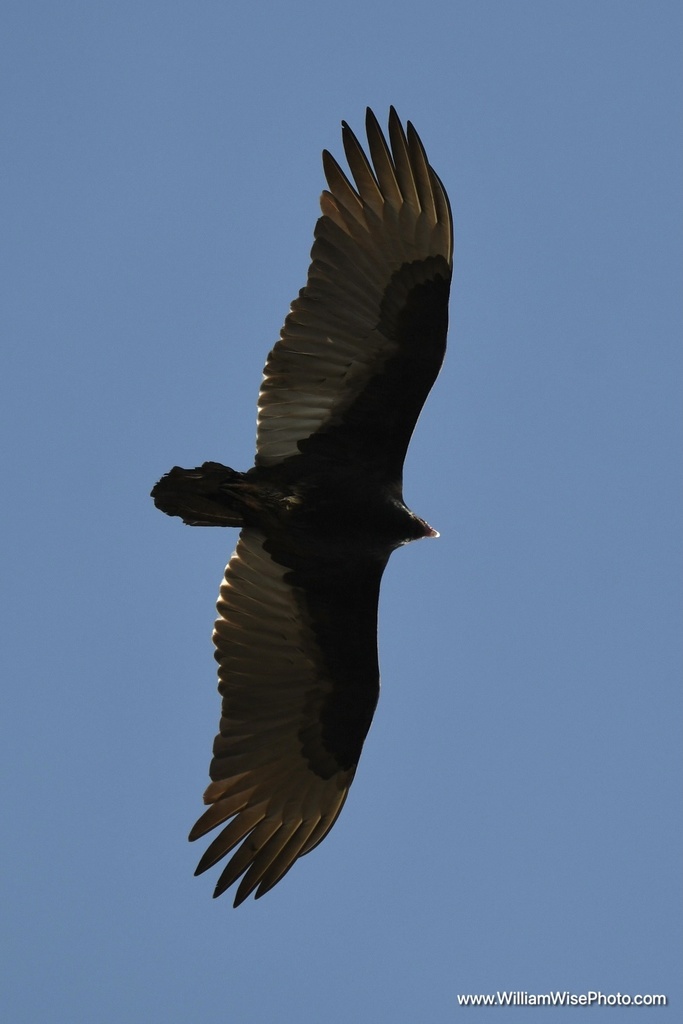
pixel 322 509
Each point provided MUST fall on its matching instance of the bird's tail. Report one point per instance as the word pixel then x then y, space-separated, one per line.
pixel 206 496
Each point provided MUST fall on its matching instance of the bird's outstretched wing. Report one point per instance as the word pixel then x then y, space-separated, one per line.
pixel 297 650
pixel 365 339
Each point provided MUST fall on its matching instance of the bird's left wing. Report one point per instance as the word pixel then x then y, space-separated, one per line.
pixel 296 645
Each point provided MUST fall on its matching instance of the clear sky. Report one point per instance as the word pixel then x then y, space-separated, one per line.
pixel 515 820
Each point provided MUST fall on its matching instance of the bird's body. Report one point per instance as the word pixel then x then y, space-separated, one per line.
pixel 321 510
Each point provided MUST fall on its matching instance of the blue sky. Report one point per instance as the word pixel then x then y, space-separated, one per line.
pixel 515 820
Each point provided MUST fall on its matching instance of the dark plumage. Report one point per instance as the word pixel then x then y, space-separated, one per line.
pixel 322 509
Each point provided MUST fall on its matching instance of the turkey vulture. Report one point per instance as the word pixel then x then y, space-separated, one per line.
pixel 322 509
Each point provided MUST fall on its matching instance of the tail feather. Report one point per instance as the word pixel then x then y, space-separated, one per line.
pixel 202 496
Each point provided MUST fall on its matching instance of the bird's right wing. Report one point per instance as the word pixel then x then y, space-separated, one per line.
pixel 296 645
pixel 366 337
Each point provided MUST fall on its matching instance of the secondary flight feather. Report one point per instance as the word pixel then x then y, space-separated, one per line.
pixel 322 508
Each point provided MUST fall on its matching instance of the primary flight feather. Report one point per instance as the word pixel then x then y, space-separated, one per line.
pixel 322 508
